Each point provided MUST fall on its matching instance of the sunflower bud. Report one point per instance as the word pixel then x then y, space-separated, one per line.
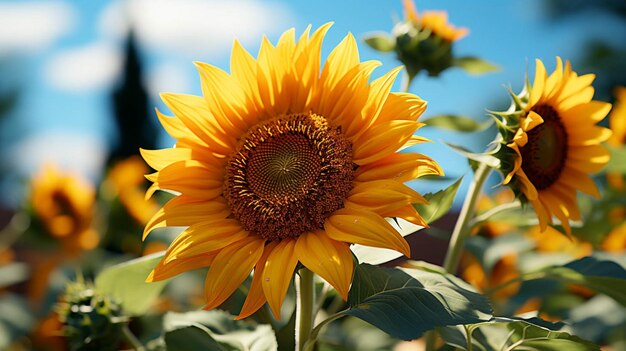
pixel 91 320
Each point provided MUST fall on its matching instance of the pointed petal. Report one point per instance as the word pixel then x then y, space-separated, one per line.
pixel 382 140
pixel 365 228
pixel 409 214
pixel 331 259
pixel 593 110
pixel 537 89
pixel 185 211
pixel 381 196
pixel 404 106
pixel 205 237
pixel 167 270
pixel 579 180
pixel 193 178
pixel 278 272
pixel 256 297
pixel 400 167
pixel 230 268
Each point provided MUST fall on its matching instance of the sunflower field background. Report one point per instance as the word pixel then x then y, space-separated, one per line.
pixel 345 175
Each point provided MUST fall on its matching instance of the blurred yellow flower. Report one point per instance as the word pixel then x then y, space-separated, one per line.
pixel 435 21
pixel 557 143
pixel 615 241
pixel 65 204
pixel 617 123
pixel 125 181
pixel 278 164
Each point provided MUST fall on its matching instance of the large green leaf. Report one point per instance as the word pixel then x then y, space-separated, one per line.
pixel 487 158
pixel 439 203
pixel 457 123
pixel 215 330
pixel 475 65
pixel 515 334
pixel 382 42
pixel 407 302
pixel 126 283
pixel 606 277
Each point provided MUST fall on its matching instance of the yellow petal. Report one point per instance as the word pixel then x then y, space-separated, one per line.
pixel 256 297
pixel 230 268
pixel 185 211
pixel 401 167
pixel 159 159
pixel 380 196
pixel 243 68
pixel 582 97
pixel 205 237
pixel 408 213
pixel 593 154
pixel 278 272
pixel 225 99
pixel 194 112
pixel 167 270
pixel 405 106
pixel 365 228
pixel 593 110
pixel 379 91
pixel 532 120
pixel 179 131
pixel 193 178
pixel 382 140
pixel 579 180
pixel 588 135
pixel 331 259
pixel 343 57
pixel 537 89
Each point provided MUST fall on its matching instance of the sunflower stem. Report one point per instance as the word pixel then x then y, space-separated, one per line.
pixel 463 223
pixel 304 309
pixel 132 339
pixel 461 230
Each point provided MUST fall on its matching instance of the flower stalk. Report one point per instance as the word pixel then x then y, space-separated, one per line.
pixel 305 290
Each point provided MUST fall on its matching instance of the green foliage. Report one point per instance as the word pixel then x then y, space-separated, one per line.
pixel 126 283
pixel 380 42
pixel 475 65
pixel 215 330
pixel 16 319
pixel 485 157
pixel 515 334
pixel 489 252
pixel 439 203
pixel 457 123
pixel 407 302
pixel 606 277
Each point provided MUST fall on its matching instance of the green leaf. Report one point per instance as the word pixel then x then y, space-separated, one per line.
pixel 215 330
pixel 475 65
pixel 458 123
pixel 407 302
pixel 516 334
pixel 126 283
pixel 617 163
pixel 380 42
pixel 486 158
pixel 439 203
pixel 606 277
pixel 489 252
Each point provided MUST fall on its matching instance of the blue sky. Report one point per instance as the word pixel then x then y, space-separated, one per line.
pixel 67 55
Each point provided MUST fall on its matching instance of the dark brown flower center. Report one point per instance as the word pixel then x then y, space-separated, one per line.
pixel 543 157
pixel 288 175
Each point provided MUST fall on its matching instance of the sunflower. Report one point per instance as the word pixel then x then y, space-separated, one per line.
pixel 126 181
pixel 434 21
pixel 556 143
pixel 65 203
pixel 617 123
pixel 279 164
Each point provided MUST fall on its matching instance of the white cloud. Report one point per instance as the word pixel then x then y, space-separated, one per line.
pixel 113 20
pixel 202 27
pixel 89 67
pixel 78 152
pixel 33 25
pixel 167 77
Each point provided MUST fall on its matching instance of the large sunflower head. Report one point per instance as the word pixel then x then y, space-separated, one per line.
pixel 553 142
pixel 286 161
pixel 64 202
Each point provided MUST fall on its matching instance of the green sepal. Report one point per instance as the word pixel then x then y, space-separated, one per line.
pixel 475 65
pixel 380 42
